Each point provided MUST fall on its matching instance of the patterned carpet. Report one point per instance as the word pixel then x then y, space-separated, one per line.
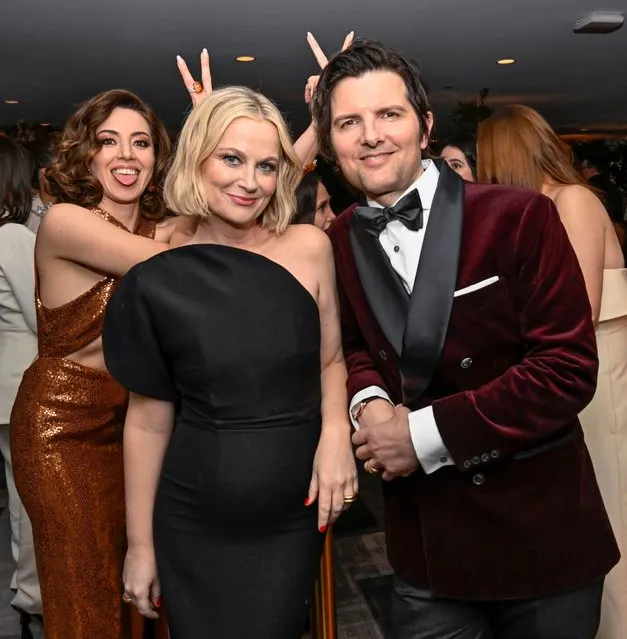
pixel 362 572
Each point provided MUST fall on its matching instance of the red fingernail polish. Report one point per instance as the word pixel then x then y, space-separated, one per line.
pixel 307 501
pixel 323 529
pixel 158 602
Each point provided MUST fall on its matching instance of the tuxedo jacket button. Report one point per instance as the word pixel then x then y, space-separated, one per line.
pixel 476 460
pixel 485 458
pixel 478 479
pixel 467 464
pixel 466 362
pixel 494 454
pixel 383 355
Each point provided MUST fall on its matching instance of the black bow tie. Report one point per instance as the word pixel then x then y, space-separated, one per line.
pixel 407 210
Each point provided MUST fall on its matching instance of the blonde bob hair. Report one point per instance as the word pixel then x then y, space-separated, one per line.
pixel 184 190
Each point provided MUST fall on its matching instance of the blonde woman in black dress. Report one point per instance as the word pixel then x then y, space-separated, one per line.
pixel 237 439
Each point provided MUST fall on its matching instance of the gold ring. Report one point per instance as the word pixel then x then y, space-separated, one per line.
pixel 126 598
pixel 196 88
pixel 369 468
pixel 349 499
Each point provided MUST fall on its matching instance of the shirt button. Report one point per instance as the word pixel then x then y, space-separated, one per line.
pixel 397 248
pixel 494 454
pixel 443 460
pixel 383 355
pixel 467 464
pixel 466 362
pixel 476 461
pixel 485 458
pixel 478 479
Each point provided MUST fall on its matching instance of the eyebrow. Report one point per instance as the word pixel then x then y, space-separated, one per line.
pixel 134 134
pixel 349 116
pixel 235 151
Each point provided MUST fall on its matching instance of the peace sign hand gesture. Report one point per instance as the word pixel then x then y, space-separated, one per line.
pixel 198 91
pixel 312 81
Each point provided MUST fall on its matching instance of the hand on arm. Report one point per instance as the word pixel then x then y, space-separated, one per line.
pixel 384 440
pixel 334 475
pixel 147 432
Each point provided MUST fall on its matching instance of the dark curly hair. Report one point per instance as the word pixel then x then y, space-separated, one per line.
pixel 68 179
pixel 16 168
pixel 361 57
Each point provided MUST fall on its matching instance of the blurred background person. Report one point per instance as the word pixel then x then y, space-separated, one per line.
pixel 517 147
pixel 18 348
pixel 313 203
pixel 43 153
pixel 599 177
pixel 461 156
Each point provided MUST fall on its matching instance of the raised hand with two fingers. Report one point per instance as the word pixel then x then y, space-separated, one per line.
pixel 198 90
pixel 323 60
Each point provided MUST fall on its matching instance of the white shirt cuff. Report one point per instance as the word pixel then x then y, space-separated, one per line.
pixel 425 436
pixel 366 393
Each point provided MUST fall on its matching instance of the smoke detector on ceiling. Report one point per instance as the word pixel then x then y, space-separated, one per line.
pixel 599 22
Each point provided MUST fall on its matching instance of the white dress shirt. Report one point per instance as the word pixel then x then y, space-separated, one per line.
pixel 403 247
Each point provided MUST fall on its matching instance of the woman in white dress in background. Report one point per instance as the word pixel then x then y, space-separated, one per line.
pixel 518 148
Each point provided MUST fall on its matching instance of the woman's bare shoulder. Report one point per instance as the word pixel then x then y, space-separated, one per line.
pixel 61 214
pixel 575 194
pixel 309 238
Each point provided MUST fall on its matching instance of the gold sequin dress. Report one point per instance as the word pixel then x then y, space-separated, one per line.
pixel 66 441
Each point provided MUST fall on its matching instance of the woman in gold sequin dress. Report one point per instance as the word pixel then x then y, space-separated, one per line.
pixel 66 424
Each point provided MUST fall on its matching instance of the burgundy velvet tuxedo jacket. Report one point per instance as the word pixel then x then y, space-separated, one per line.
pixel 507 368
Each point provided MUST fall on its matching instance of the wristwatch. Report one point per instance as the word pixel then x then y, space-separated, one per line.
pixel 358 408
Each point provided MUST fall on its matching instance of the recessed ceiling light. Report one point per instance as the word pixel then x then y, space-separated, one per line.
pixel 11 101
pixel 582 130
pixel 506 61
pixel 45 124
pixel 245 58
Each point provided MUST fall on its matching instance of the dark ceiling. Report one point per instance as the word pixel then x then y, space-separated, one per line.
pixel 56 54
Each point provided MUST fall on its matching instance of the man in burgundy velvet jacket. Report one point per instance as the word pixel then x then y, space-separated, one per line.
pixel 470 352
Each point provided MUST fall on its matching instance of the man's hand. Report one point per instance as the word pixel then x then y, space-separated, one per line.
pixel 387 442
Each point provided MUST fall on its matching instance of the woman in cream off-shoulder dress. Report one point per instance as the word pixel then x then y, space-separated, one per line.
pixel 537 158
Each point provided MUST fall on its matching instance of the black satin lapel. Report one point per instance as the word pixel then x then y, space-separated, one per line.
pixel 432 295
pixel 384 291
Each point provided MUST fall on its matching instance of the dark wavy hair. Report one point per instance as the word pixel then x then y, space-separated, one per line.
pixel 16 170
pixel 68 179
pixel 306 199
pixel 364 56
